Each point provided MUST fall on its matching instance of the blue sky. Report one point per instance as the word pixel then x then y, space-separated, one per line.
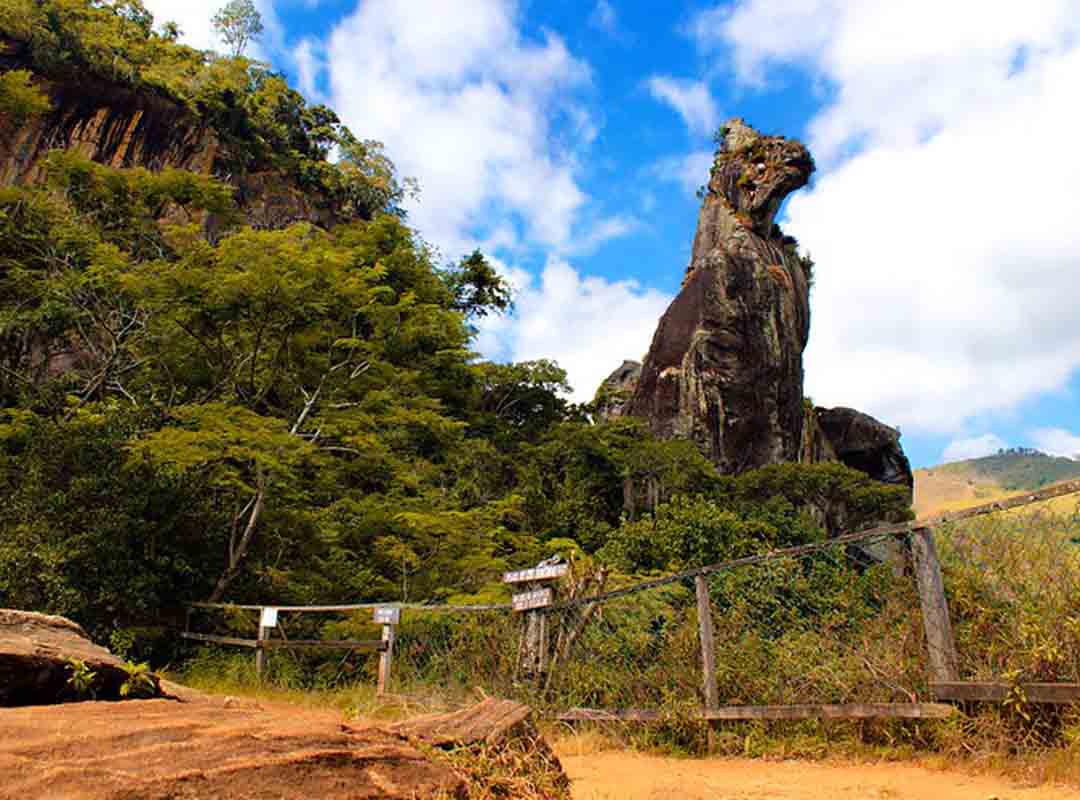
pixel 566 138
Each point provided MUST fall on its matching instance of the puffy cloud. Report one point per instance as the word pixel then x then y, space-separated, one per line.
pixel 1056 442
pixel 691 99
pixel 942 221
pixel 974 447
pixel 587 324
pixel 469 106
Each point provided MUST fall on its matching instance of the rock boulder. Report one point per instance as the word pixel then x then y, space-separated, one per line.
pixel 615 393
pixel 863 443
pixel 35 651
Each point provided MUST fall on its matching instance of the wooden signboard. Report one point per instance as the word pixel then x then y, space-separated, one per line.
pixel 536 574
pixel 538 598
pixel 387 615
pixel 268 618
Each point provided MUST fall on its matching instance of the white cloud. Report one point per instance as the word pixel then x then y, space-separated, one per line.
pixel 943 219
pixel 587 324
pixel 691 99
pixel 308 59
pixel 1056 442
pixel 974 447
pixel 603 18
pixel 692 170
pixel 469 107
pixel 601 231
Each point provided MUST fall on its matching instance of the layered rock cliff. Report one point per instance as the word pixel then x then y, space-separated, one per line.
pixel 725 365
pixel 121 127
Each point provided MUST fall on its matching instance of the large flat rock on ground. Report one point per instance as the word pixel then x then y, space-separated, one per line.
pixel 34 654
pixel 207 748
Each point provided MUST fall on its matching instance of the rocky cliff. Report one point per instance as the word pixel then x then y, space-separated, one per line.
pixel 121 127
pixel 725 365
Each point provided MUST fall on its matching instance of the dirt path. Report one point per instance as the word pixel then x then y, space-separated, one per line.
pixel 615 775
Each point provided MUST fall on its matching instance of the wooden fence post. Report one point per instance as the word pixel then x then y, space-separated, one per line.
pixel 536 644
pixel 386 658
pixel 389 617
pixel 708 651
pixel 260 651
pixel 935 608
pixel 267 623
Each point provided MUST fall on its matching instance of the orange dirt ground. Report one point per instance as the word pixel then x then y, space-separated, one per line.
pixel 214 747
pixel 619 775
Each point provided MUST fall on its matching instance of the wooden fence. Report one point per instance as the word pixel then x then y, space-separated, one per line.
pixel 537 601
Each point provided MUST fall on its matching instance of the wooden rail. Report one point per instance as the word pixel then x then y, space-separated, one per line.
pixel 286 644
pixel 357 607
pixel 778 712
pixel 979 692
pixel 206 637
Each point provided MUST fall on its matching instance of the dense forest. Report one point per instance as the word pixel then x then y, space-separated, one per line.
pixel 297 415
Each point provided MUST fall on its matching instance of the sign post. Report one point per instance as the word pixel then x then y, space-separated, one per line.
pixel 532 601
pixel 389 617
pixel 267 622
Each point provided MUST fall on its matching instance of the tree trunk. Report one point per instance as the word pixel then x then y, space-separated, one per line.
pixel 236 554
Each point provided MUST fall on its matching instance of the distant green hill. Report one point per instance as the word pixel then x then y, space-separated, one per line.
pixel 1021 469
pixel 950 487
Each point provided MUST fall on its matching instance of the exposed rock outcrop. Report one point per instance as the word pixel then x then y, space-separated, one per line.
pixel 121 127
pixel 213 747
pixel 615 393
pixel 861 442
pixel 34 653
pixel 725 365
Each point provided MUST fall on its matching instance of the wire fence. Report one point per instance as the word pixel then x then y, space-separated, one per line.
pixel 859 621
pixel 832 624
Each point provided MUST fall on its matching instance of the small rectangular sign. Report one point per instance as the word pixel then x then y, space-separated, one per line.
pixel 536 574
pixel 268 619
pixel 537 598
pixel 387 615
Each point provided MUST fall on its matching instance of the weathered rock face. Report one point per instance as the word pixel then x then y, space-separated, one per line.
pixel 861 442
pixel 725 365
pixel 34 654
pixel 615 393
pixel 118 127
pixel 205 746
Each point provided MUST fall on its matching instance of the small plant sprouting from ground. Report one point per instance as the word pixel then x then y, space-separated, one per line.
pixel 141 681
pixel 82 679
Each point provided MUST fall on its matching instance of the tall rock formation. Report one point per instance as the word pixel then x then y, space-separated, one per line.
pixel 725 365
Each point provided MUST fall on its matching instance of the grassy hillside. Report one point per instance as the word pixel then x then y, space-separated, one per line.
pixel 950 487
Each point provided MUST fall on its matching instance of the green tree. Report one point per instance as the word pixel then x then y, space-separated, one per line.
pixel 477 286
pixel 20 100
pixel 238 22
